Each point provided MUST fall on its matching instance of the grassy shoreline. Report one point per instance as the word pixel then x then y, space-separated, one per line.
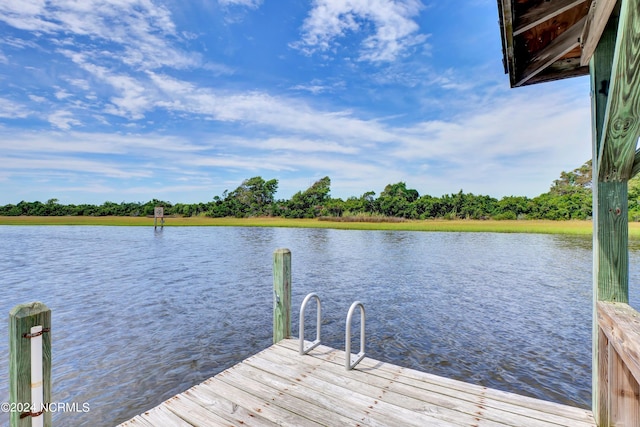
pixel 533 226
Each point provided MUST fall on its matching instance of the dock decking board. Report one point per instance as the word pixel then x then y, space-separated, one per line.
pixel 279 387
pixel 456 407
pixel 231 412
pixel 427 385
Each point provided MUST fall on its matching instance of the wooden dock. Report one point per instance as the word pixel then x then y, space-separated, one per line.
pixel 278 387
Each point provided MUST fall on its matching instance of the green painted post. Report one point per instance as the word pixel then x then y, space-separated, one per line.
pixel 601 65
pixel 610 207
pixel 21 319
pixel 621 124
pixel 613 242
pixel 281 294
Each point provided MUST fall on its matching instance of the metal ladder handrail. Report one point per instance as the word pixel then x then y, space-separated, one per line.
pixel 349 362
pixel 315 343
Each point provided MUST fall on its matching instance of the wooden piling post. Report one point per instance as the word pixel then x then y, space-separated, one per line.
pixel 21 319
pixel 610 188
pixel 158 212
pixel 281 294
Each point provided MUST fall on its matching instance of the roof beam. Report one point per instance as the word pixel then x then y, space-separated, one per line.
pixel 543 12
pixel 597 19
pixel 621 127
pixel 507 16
pixel 559 47
pixel 560 70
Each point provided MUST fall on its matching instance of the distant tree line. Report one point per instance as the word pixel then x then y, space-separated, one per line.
pixel 568 198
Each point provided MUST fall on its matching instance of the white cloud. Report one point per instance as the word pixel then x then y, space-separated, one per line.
pixel 218 69
pixel 75 165
pixel 392 24
pixel 62 94
pixel 500 129
pixel 81 83
pixel 256 108
pixel 245 163
pixel 26 143
pixel 38 99
pixel 317 86
pixel 488 149
pixel 12 110
pixel 513 125
pixel 131 100
pixel 295 144
pixel 63 120
pixel 314 89
pixel 18 43
pixel 25 15
pixel 252 4
pixel 140 28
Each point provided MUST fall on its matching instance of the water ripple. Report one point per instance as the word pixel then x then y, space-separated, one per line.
pixel 139 316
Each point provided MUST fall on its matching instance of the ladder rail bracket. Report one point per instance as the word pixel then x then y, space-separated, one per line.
pixel 304 350
pixel 350 360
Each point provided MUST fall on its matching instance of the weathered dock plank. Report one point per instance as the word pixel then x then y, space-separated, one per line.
pixel 427 386
pixel 352 406
pixel 137 421
pixel 449 406
pixel 193 413
pixel 161 416
pixel 245 378
pixel 230 411
pixel 279 387
pixel 382 406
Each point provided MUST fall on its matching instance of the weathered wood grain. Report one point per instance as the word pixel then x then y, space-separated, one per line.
pixel 542 12
pixel 612 242
pixel 227 409
pixel 604 233
pixel 602 410
pixel 621 127
pixel 424 382
pixel 597 20
pixel 624 410
pixel 162 416
pixel 283 409
pixel 619 365
pixel 193 413
pixel 21 319
pixel 281 294
pixel 601 66
pixel 259 404
pixel 352 405
pixel 621 324
pixel 137 421
pixel 438 401
pixel 561 69
pixel 279 387
pixel 559 47
pixel 507 33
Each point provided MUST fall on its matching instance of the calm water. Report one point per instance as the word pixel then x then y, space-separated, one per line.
pixel 139 316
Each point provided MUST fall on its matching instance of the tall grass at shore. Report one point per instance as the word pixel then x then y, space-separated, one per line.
pixel 532 226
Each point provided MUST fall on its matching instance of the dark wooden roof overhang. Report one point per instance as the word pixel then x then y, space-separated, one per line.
pixel 545 40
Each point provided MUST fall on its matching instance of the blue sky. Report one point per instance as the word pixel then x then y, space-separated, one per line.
pixel 129 100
